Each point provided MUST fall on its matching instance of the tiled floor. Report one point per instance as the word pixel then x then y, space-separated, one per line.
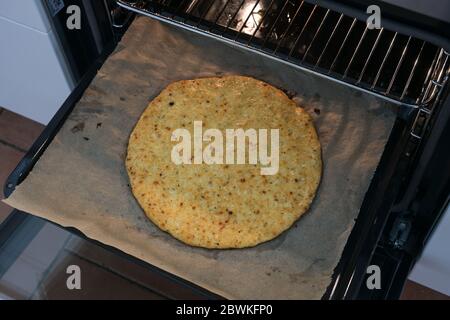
pixel 16 136
pixel 415 291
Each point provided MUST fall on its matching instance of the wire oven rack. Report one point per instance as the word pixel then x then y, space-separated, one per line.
pixel 402 69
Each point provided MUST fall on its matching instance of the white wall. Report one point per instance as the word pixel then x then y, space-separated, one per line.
pixel 433 268
pixel 33 80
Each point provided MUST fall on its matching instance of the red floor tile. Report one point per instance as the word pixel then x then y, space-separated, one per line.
pixel 415 291
pixel 96 283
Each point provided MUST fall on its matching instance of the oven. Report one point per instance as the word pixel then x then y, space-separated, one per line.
pixel 405 62
pixel 103 23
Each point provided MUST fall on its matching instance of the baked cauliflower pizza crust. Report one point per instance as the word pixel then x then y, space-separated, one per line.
pixel 223 205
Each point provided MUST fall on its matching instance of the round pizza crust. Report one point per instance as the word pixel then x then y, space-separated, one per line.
pixel 220 205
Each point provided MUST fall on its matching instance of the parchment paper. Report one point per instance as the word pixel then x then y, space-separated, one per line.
pixel 81 179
